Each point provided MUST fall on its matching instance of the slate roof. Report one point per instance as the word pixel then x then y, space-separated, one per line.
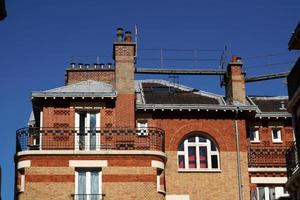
pixel 275 106
pixel 87 88
pixel 164 92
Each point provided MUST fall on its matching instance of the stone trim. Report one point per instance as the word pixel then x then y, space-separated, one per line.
pixel 23 164
pixel 88 163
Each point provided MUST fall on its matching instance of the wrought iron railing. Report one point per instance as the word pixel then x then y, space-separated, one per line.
pixel 86 139
pixel 267 156
pixel 88 196
pixel 292 160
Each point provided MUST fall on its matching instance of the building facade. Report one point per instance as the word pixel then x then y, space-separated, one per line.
pixel 107 136
pixel 294 102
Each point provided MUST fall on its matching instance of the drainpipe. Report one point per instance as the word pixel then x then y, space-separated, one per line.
pixel 238 159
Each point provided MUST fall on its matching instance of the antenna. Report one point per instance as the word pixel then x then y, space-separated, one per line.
pixel 136 40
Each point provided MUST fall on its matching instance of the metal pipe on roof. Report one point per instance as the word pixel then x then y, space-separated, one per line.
pixel 141 70
pixel 267 77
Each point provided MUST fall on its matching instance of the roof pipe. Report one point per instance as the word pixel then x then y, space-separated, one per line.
pixel 238 159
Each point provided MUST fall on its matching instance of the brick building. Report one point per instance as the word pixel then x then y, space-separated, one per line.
pixel 107 136
pixel 293 155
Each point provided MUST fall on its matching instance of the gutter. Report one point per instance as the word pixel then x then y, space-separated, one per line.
pixel 238 159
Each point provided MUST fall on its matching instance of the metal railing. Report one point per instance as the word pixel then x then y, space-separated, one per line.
pixel 292 160
pixel 44 138
pixel 88 196
pixel 267 156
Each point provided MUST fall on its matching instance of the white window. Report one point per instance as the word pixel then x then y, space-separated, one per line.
pixel 276 135
pixel 22 180
pixel 88 130
pixel 270 193
pixel 254 135
pixel 142 128
pixel 160 180
pixel 88 184
pixel 198 153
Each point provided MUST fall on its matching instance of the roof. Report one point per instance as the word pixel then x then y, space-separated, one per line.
pixel 294 42
pixel 271 106
pixel 87 88
pixel 160 94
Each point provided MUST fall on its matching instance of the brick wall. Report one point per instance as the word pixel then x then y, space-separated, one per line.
pixel 106 76
pixel 125 177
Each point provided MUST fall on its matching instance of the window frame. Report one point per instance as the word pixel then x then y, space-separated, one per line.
pixel 279 139
pixel 88 172
pixel 256 138
pixel 197 144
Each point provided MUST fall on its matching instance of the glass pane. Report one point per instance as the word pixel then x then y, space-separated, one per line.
pixel 94 185
pixel 181 163
pixel 272 193
pixel 275 134
pixel 192 157
pixel 81 185
pixel 92 131
pixel 181 147
pixel 251 135
pixel 81 131
pixel 202 139
pixel 213 146
pixel 192 139
pixel 203 157
pixel 261 193
pixel 214 161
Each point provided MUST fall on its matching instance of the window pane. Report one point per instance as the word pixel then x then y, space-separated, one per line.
pixel 214 161
pixel 181 163
pixel 192 157
pixel 92 131
pixel 272 193
pixel 212 146
pixel 251 135
pixel 275 134
pixel 192 139
pixel 202 139
pixel 181 147
pixel 81 184
pixel 261 193
pixel 203 157
pixel 94 185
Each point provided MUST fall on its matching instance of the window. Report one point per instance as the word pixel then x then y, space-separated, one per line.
pixel 88 184
pixel 142 128
pixel 199 153
pixel 270 193
pixel 254 135
pixel 87 125
pixel 276 135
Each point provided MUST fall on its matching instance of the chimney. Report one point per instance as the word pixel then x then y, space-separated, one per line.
pixel 235 82
pixel 123 55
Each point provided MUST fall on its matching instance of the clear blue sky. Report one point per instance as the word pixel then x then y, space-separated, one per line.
pixel 38 38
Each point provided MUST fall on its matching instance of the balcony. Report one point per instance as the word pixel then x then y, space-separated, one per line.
pixel 292 160
pixel 267 156
pixel 85 139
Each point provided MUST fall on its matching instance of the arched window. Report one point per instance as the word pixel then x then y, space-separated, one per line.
pixel 198 152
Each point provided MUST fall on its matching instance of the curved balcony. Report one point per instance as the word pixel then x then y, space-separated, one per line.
pixel 45 138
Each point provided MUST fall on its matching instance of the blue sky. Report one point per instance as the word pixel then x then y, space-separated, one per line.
pixel 38 39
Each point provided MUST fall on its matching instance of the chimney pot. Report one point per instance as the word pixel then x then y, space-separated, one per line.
pixel 95 65
pixel 120 34
pixel 72 65
pixel 234 58
pixel 127 36
pixel 80 65
pixel 102 65
pixel 87 65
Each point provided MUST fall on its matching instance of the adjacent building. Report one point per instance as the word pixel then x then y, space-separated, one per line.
pixel 105 135
pixel 294 102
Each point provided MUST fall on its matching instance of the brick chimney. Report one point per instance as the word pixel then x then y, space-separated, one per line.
pixel 123 55
pixel 235 82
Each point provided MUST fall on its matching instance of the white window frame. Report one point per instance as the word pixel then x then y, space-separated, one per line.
pixel 22 184
pixel 198 144
pixel 278 131
pixel 88 181
pixel 87 137
pixel 255 131
pixel 279 192
pixel 142 128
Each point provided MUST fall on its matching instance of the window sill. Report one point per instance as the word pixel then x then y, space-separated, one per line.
pixel 200 170
pixel 278 142
pixel 255 141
